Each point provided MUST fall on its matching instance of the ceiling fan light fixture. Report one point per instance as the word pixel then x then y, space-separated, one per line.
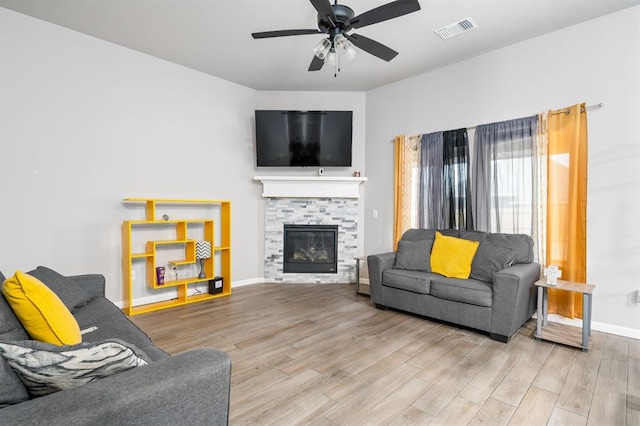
pixel 322 49
pixel 341 44
pixel 331 57
pixel 351 51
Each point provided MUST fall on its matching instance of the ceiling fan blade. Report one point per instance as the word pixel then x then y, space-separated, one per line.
pixel 316 64
pixel 372 47
pixel 384 13
pixel 284 33
pixel 324 9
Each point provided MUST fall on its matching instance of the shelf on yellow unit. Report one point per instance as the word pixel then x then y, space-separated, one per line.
pixel 167 242
pixel 182 281
pixel 142 255
pixel 181 262
pixel 168 222
pixel 173 201
pixel 140 309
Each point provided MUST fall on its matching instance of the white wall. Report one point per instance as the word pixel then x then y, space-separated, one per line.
pixel 597 61
pixel 85 123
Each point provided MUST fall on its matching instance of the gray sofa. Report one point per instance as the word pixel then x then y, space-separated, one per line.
pixel 498 298
pixel 188 388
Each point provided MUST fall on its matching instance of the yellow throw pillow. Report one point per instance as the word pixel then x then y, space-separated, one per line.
pixel 40 311
pixel 452 257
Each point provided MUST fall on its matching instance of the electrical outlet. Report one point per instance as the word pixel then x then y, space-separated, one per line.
pixel 133 275
pixel 375 213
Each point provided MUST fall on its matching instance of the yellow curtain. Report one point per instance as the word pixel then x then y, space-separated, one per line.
pixel 567 204
pixel 407 158
pixel 540 188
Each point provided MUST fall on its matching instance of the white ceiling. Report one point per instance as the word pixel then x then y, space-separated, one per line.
pixel 214 36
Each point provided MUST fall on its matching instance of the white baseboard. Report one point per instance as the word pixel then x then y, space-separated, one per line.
pixel 147 300
pixel 596 326
pixel 247 282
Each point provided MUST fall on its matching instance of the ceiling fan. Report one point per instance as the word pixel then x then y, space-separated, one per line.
pixel 337 20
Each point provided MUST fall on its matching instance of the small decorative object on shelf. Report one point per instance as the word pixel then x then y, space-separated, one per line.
pixel 160 275
pixel 356 174
pixel 215 285
pixel 203 251
pixel 552 273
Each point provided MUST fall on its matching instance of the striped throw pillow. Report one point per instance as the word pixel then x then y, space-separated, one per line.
pixel 44 368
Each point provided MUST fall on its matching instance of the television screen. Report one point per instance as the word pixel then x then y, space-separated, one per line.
pixel 303 138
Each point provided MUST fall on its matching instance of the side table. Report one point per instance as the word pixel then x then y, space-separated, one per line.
pixel 561 333
pixel 362 275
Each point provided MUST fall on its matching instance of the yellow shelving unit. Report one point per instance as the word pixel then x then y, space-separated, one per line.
pixel 149 256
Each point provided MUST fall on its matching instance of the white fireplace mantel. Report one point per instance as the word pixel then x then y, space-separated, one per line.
pixel 310 186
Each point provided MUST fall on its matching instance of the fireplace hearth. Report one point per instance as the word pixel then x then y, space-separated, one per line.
pixel 310 249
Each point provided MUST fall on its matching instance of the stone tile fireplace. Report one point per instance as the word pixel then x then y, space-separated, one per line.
pixel 311 201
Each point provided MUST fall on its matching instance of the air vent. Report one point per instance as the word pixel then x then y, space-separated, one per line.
pixel 456 28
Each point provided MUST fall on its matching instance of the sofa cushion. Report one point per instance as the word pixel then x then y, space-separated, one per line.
pixel 10 327
pixel 105 321
pixel 473 235
pixel 413 281
pixel 45 368
pixel 472 292
pixel 414 255
pixel 69 291
pixel 452 257
pixel 520 243
pixel 40 311
pixel 490 259
pixel 12 391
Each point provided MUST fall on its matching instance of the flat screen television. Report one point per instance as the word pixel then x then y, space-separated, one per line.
pixel 303 138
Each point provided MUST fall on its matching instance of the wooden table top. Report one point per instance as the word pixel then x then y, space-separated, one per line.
pixel 568 286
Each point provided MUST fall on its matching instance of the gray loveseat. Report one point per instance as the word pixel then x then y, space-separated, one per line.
pixel 498 298
pixel 189 388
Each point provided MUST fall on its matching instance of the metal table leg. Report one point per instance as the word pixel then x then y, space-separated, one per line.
pixel 540 314
pixel 586 320
pixel 357 276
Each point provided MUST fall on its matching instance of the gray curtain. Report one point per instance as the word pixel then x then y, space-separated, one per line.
pixel 504 185
pixel 457 194
pixel 430 200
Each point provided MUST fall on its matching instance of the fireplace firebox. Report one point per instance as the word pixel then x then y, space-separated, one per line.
pixel 310 249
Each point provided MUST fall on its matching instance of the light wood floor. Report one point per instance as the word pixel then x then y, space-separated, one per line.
pixel 322 355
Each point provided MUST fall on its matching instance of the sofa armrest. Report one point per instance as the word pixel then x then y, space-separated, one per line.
pixel 514 298
pixel 92 283
pixel 189 388
pixel 377 264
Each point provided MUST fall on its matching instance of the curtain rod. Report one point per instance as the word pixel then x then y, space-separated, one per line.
pixel 567 110
pixel 559 111
pixel 563 111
